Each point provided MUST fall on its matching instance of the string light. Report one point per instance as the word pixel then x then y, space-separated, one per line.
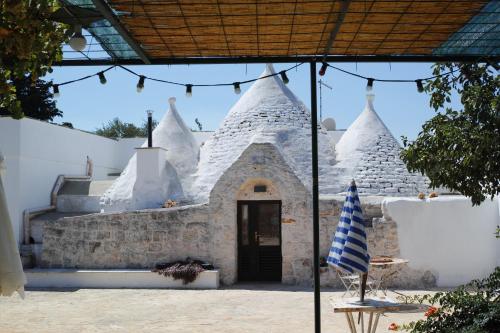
pixel 237 89
pixel 189 90
pixel 140 84
pixel 420 86
pixel 77 41
pixel 369 85
pixel 102 78
pixel 284 78
pixel 55 90
pixel 237 85
pixel 322 71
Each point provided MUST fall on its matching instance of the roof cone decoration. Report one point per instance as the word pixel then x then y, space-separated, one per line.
pixel 171 134
pixel 368 152
pixel 267 113
pixel 178 140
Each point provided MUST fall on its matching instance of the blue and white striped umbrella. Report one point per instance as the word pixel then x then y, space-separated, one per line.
pixel 349 251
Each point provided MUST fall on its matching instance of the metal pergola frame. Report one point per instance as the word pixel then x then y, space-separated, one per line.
pixel 313 60
pixel 143 59
pixel 286 59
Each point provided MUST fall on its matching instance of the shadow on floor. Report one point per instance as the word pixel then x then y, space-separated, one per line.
pixel 273 286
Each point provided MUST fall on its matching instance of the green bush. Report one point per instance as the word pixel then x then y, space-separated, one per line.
pixel 472 308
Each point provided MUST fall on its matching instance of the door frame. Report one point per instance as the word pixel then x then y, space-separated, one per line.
pixel 239 203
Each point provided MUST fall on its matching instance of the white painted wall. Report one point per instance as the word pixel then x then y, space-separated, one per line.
pixel 447 236
pixel 37 152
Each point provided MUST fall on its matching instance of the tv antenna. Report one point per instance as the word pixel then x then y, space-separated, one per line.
pixel 321 84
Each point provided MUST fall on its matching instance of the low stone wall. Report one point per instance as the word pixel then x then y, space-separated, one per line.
pixel 395 227
pixel 141 239
pixel 137 239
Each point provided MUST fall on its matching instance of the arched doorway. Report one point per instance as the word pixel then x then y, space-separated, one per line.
pixel 259 232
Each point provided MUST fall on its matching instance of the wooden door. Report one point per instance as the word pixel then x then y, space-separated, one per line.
pixel 259 241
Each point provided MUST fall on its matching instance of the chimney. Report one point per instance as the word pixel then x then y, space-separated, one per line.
pixel 150 164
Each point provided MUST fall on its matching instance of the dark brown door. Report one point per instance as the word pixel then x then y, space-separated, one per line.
pixel 259 240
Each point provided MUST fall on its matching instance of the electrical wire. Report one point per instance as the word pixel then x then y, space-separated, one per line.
pixel 370 79
pixel 173 82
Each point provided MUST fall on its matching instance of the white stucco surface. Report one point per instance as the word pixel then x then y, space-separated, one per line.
pixel 130 192
pixel 37 152
pixel 369 153
pixel 267 113
pixel 111 279
pixel 447 236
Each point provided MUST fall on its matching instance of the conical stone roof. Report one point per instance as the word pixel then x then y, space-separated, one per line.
pixel 267 113
pixel 369 153
pixel 176 138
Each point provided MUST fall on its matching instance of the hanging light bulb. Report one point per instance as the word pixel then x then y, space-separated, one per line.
pixel 55 90
pixel 322 71
pixel 420 86
pixel 189 90
pixel 237 89
pixel 140 84
pixel 369 85
pixel 102 78
pixel 78 41
pixel 284 78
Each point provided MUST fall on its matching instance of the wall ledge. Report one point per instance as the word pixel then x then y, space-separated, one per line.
pixel 114 279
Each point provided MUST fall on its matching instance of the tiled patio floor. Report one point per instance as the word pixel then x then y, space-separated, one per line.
pixel 242 308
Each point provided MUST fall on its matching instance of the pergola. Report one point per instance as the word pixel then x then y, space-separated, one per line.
pixel 159 32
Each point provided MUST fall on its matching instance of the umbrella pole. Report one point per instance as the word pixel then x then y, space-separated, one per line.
pixel 362 286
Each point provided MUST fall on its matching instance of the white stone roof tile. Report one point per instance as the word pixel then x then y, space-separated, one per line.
pixel 267 112
pixel 369 153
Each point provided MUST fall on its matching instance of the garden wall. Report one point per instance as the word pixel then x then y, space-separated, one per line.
pixel 446 240
pixel 137 239
pixel 36 152
pixel 447 236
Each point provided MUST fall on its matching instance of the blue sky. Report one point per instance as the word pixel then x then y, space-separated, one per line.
pixel 88 104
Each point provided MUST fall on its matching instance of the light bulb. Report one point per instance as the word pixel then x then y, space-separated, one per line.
pixel 102 78
pixel 140 84
pixel 55 90
pixel 420 86
pixel 369 85
pixel 322 71
pixel 284 78
pixel 189 90
pixel 237 89
pixel 78 41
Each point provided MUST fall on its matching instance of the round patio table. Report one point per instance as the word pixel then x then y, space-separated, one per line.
pixel 387 268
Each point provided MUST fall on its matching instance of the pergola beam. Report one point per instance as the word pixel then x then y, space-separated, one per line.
pixel 315 198
pixel 340 19
pixel 107 12
pixel 285 59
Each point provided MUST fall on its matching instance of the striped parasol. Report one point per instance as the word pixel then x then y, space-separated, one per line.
pixel 349 249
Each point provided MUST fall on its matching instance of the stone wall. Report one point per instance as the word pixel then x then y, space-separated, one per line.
pixel 138 239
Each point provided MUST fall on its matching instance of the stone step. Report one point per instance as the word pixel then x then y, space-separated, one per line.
pixel 113 279
pixel 78 203
pixel 81 195
pixel 85 187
